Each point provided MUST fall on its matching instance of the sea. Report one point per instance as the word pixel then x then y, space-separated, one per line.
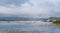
pixel 28 27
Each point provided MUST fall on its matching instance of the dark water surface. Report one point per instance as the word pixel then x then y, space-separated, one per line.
pixel 43 27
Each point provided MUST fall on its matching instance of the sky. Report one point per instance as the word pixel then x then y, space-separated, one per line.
pixel 30 8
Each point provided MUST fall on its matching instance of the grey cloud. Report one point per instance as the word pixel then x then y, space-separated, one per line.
pixel 39 8
pixel 10 2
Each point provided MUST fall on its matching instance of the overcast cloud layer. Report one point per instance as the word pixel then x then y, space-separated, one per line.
pixel 32 8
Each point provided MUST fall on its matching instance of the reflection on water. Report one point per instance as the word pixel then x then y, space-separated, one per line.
pixel 57 25
pixel 29 26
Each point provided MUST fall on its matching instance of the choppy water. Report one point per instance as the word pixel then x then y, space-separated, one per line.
pixel 45 27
